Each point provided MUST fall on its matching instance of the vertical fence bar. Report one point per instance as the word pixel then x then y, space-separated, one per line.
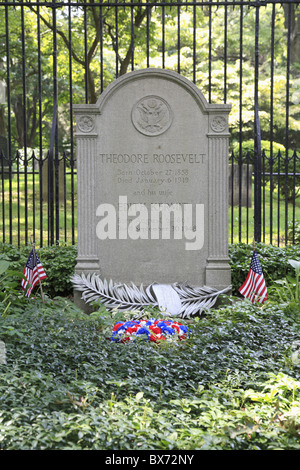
pixel 294 196
pixel 56 184
pixel 32 160
pixel 263 159
pixel 163 39
pixel 86 79
pixel 132 34
pixel 24 122
pixel 178 40
pixel 232 208
pixel 18 194
pixel 53 134
pixel 148 35
pixel 65 194
pixel 40 124
pixel 8 122
pixel 71 121
pixel 209 52
pixel 247 198
pixel 272 120
pixel 56 156
pixel 289 22
pixel 194 42
pixel 225 53
pixel 278 201
pixel 3 195
pixel 257 138
pixel 240 118
pixel 117 39
pixel 101 47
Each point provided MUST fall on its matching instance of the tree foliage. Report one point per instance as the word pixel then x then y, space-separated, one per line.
pixel 93 45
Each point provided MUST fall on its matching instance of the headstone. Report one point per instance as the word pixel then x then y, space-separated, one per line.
pixel 3 140
pixel 4 156
pixel 152 172
pixel 240 185
pixel 2 92
pixel 45 180
pixel 2 353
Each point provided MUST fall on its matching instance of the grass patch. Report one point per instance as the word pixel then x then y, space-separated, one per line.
pixel 24 210
pixel 274 213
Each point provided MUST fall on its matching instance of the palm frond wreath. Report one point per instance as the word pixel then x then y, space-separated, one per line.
pixel 194 300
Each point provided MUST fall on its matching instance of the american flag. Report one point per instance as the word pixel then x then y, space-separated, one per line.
pixel 33 272
pixel 254 288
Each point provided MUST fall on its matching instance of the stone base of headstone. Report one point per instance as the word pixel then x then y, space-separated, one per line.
pixel 85 307
pixel 218 273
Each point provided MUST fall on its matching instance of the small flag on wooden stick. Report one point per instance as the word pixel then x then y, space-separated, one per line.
pixel 33 273
pixel 254 288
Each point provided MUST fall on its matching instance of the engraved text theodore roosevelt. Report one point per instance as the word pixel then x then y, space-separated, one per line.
pixel 179 158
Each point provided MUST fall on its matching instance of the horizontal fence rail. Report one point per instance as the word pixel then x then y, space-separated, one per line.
pixel 55 54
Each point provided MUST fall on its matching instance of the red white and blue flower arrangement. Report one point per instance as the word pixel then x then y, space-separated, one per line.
pixel 149 330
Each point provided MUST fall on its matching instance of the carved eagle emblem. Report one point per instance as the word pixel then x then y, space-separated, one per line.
pixel 152 115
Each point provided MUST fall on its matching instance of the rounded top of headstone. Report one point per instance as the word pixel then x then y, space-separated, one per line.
pixel 163 74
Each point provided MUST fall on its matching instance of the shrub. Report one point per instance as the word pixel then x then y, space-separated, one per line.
pixel 294 232
pixel 273 261
pixel 58 261
pixel 65 386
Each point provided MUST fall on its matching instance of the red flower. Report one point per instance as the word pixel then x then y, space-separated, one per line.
pixel 126 338
pixel 117 326
pixel 131 329
pixel 155 329
pixel 157 337
pixel 176 327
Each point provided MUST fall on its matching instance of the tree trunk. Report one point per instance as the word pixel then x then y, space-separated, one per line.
pixel 295 31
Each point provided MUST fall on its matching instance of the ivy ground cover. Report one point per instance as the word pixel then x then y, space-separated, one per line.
pixel 232 384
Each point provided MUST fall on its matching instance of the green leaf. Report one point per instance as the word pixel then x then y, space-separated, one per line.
pixel 139 396
pixel 4 265
pixel 295 264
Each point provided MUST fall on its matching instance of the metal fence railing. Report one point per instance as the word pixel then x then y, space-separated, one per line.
pixel 54 54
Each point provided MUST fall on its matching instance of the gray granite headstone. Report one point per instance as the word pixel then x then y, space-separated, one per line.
pixel 2 353
pixel 45 180
pixel 4 156
pixel 152 175
pixel 240 185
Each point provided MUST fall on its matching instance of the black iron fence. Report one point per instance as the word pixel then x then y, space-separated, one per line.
pixel 38 198
pixel 54 54
pixel 280 198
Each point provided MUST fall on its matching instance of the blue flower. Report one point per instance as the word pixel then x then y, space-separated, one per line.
pixel 143 331
pixel 165 328
pixel 184 328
